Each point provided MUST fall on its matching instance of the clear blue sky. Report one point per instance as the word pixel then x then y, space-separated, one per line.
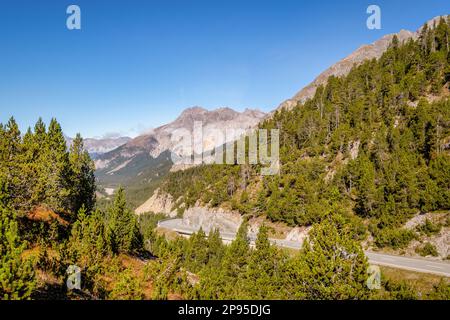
pixel 138 64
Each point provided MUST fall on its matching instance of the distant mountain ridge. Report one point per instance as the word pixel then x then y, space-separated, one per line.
pixel 158 140
pixel 98 146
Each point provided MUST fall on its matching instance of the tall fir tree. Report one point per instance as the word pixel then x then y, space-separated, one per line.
pixel 82 178
pixel 333 263
pixel 13 161
pixel 263 278
pixel 236 261
pixel 56 169
pixel 123 231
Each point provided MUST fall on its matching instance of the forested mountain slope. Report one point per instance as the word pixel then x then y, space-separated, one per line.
pixel 343 67
pixel 374 145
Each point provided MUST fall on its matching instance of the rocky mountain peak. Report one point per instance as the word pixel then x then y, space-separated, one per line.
pixel 192 111
pixel 253 113
pixel 159 140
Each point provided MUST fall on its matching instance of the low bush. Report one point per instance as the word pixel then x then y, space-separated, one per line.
pixel 427 250
pixel 394 238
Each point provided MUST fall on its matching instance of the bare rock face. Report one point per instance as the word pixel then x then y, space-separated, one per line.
pixel 210 219
pixel 354 149
pixel 441 240
pixel 158 203
pixel 298 234
pixel 100 146
pixel 219 119
pixel 181 167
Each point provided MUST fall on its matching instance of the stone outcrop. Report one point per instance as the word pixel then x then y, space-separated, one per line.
pixel 158 203
pixel 210 219
pixel 298 234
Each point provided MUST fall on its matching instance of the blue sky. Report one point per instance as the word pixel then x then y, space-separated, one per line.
pixel 137 64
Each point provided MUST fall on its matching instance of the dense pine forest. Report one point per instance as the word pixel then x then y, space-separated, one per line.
pixel 373 146
pixel 366 153
pixel 48 216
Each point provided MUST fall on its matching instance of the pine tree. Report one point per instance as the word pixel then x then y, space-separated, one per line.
pixel 128 287
pixel 333 263
pixel 197 251
pixel 56 169
pixel 38 147
pixel 123 231
pixel 216 248
pixel 440 174
pixel 263 278
pixel 12 161
pixel 17 279
pixel 88 236
pixel 366 188
pixel 82 178
pixel 29 170
pixel 235 262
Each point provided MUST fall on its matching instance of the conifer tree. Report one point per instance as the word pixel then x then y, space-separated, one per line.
pixel 235 262
pixel 262 279
pixel 17 279
pixel 197 251
pixel 366 188
pixel 38 147
pixel 123 231
pixel 56 169
pixel 82 178
pixel 12 161
pixel 216 248
pixel 29 171
pixel 333 263
pixel 88 236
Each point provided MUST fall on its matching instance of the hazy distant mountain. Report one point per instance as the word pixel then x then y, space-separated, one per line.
pixel 96 147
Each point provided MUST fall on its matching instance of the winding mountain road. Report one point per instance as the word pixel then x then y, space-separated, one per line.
pixel 423 265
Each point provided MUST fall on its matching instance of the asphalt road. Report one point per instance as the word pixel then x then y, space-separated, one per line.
pixel 441 268
pixel 414 264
